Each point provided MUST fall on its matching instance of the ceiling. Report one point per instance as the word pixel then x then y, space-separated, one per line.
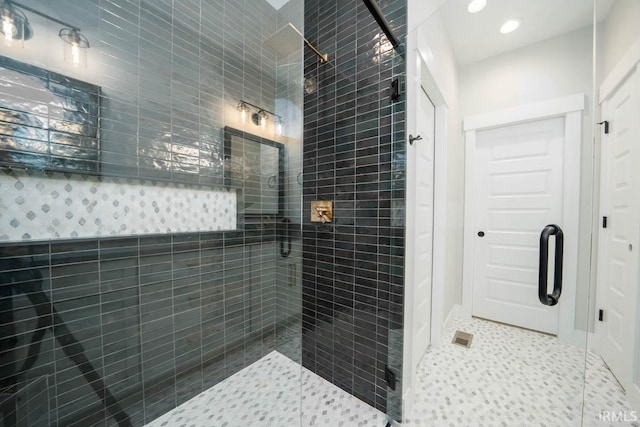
pixel 277 4
pixel 477 36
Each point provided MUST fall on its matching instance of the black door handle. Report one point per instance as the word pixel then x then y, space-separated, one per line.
pixel 480 233
pixel 543 267
pixel 286 238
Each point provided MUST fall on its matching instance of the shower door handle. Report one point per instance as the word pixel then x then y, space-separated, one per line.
pixel 543 269
pixel 286 239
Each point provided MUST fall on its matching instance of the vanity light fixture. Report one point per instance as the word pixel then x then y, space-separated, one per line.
pixel 15 25
pixel 260 117
pixel 278 124
pixel 16 29
pixel 244 109
pixel 75 47
pixel 476 6
pixel 510 26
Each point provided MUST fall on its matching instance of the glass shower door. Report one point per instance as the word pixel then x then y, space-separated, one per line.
pixel 513 213
pixel 149 227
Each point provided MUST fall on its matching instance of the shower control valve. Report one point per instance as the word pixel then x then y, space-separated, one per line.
pixel 322 211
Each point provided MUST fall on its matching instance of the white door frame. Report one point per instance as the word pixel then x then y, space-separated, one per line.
pixel 629 62
pixel 420 77
pixel 569 107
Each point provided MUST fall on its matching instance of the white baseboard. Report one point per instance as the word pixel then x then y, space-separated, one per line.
pixel 576 338
pixel 455 313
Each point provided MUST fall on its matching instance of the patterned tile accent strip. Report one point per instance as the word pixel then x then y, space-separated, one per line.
pixel 61 206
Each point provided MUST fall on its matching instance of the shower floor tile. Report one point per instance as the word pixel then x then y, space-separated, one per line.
pixel 511 377
pixel 274 391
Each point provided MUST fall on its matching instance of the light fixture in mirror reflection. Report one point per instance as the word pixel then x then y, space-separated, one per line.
pixel 278 124
pixel 16 29
pixel 260 117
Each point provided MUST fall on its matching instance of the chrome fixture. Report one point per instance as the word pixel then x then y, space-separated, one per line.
pixel 16 29
pixel 260 117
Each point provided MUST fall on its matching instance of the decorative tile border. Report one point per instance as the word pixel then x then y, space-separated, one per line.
pixel 39 206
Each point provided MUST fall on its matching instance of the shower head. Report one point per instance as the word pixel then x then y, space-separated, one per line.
pixel 286 40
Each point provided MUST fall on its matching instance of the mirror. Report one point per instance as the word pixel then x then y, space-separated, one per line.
pixel 48 121
pixel 255 165
pixel 140 134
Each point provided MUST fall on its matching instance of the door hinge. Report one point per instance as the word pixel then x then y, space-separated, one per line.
pixel 390 378
pixel 604 222
pixel 606 126
pixel 601 315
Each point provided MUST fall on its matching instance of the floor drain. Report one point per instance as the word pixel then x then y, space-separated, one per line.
pixel 462 338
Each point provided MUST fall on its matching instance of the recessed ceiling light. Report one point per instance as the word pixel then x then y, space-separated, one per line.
pixel 510 26
pixel 476 6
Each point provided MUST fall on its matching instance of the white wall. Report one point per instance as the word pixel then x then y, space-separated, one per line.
pixel 441 64
pixel 616 34
pixel 420 10
pixel 556 67
pixel 431 64
pixel 549 69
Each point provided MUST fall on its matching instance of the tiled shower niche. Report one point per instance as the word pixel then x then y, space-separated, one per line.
pixel 116 328
pixel 85 206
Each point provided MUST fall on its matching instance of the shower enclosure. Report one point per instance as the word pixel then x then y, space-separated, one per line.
pixel 151 159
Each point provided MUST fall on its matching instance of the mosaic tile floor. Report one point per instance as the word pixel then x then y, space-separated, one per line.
pixel 268 393
pixel 509 377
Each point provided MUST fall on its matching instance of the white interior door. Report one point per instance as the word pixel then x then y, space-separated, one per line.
pixel 424 227
pixel 619 242
pixel 519 172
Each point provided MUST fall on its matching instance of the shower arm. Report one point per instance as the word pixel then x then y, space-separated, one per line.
pixel 324 57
